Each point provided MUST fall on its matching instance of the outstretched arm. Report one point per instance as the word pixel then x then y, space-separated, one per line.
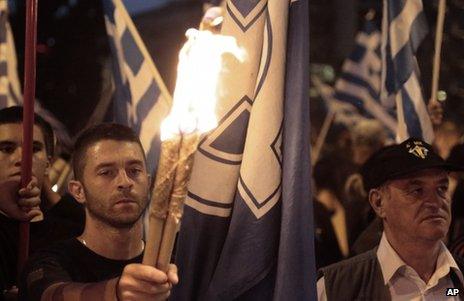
pixel 137 282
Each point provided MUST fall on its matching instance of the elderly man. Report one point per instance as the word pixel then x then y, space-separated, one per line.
pixel 103 263
pixel 408 190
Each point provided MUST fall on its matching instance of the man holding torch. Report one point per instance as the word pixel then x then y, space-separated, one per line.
pixel 103 263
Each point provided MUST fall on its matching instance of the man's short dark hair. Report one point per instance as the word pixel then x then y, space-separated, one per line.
pixel 94 134
pixel 15 115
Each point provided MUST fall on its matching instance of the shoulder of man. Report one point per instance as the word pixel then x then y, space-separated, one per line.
pixel 46 267
pixel 348 264
pixel 357 278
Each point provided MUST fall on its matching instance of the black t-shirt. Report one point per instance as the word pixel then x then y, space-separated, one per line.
pixel 67 261
pixel 64 220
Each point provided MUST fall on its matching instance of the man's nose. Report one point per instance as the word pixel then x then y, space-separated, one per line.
pixel 434 200
pixel 124 181
pixel 17 156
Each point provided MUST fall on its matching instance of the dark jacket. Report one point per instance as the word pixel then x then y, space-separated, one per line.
pixel 360 278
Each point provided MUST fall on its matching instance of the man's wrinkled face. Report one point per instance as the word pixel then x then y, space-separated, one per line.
pixel 418 207
pixel 11 146
pixel 115 182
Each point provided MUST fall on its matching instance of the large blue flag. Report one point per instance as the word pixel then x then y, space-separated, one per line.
pixel 360 80
pixel 141 99
pixel 247 230
pixel 404 27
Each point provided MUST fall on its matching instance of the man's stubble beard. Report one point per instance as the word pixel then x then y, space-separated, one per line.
pixel 103 214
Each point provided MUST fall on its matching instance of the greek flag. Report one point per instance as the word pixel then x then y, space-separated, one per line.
pixel 141 100
pixel 247 231
pixel 360 79
pixel 404 27
pixel 10 89
pixel 345 112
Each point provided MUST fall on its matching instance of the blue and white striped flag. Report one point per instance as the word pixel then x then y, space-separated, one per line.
pixel 360 80
pixel 404 27
pixel 141 99
pixel 247 230
pixel 10 89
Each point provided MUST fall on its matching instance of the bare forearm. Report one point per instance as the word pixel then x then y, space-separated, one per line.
pixel 75 291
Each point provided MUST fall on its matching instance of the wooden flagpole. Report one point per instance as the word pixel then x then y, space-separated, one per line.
pixel 28 120
pixel 437 55
pixel 329 118
pixel 322 136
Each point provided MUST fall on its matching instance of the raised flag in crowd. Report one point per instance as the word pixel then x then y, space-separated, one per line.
pixel 345 113
pixel 141 100
pixel 404 27
pixel 360 79
pixel 247 230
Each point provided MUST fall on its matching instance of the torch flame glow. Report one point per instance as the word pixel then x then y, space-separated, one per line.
pixel 195 95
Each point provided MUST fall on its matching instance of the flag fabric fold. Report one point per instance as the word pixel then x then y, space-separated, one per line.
pixel 141 100
pixel 247 227
pixel 404 27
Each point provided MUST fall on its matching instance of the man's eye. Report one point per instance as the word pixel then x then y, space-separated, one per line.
pixel 417 191
pixel 36 149
pixel 7 149
pixel 135 171
pixel 105 172
pixel 442 190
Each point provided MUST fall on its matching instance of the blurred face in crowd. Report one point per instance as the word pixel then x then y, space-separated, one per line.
pixel 415 208
pixel 115 183
pixel 11 146
pixel 362 152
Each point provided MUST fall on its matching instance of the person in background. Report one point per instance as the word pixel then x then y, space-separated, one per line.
pixel 447 135
pixel 367 137
pixel 456 235
pixel 329 174
pixel 327 250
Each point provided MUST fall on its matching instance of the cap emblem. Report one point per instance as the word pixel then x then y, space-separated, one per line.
pixel 417 149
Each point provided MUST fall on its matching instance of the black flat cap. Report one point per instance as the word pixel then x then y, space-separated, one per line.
pixel 399 160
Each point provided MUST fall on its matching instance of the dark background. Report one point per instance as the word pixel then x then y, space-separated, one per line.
pixel 74 55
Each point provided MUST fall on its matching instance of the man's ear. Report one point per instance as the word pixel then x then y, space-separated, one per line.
pixel 76 189
pixel 377 201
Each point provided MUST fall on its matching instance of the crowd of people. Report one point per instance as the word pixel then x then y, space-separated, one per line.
pixel 389 218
